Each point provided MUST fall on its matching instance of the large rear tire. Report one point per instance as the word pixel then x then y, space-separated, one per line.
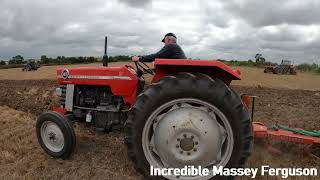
pixel 55 135
pixel 178 120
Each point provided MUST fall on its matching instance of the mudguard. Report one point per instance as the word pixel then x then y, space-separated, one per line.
pixel 213 68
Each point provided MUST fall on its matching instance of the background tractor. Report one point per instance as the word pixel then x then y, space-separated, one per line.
pixel 188 115
pixel 286 67
pixel 30 66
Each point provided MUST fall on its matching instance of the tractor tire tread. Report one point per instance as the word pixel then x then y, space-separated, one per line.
pixel 188 83
pixel 67 129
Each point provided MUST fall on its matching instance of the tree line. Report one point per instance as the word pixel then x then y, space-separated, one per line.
pixel 45 60
pixel 259 61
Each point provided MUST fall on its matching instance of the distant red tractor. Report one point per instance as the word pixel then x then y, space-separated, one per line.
pixel 188 115
pixel 286 67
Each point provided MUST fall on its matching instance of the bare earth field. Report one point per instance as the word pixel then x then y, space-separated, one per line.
pixel 292 100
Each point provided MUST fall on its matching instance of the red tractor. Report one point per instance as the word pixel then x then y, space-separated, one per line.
pixel 187 116
pixel 286 67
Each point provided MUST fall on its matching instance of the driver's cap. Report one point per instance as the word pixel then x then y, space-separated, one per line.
pixel 169 34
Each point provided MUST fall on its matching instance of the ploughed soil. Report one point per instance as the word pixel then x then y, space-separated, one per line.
pixel 103 156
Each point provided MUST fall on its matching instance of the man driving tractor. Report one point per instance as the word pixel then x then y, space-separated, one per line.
pixel 171 50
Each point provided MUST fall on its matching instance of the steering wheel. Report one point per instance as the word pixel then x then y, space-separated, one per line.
pixel 141 66
pixel 129 66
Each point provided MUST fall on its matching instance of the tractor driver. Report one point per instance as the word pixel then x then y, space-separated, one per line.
pixel 170 50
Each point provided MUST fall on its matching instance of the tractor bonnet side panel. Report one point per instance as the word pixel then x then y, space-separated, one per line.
pixel 121 80
pixel 212 68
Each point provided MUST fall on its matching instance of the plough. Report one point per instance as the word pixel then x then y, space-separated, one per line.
pixel 309 139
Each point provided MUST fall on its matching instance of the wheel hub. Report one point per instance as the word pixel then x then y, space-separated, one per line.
pixel 186 144
pixel 52 136
pixel 188 136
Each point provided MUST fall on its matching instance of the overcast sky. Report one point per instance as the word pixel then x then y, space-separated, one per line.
pixel 211 29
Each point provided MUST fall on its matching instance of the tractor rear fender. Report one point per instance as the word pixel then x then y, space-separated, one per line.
pixel 212 68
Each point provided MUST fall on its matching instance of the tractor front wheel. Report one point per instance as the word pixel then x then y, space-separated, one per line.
pixel 188 120
pixel 55 135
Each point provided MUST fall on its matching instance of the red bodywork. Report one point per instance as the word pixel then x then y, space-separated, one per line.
pixel 104 76
pixel 123 81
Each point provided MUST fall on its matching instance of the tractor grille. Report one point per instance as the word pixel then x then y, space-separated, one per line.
pixel 62 98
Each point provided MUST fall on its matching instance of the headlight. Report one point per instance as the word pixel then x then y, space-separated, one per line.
pixel 58 91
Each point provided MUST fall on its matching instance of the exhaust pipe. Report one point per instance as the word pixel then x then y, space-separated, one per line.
pixel 105 56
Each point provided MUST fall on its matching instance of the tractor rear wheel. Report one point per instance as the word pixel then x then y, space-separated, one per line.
pixel 187 120
pixel 55 135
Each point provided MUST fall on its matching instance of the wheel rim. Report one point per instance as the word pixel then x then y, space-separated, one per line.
pixel 52 136
pixel 186 132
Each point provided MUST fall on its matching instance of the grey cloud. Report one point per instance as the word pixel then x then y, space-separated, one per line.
pixel 215 14
pixel 275 12
pixel 279 36
pixel 137 3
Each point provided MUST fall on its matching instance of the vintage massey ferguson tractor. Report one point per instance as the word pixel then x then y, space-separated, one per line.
pixel 188 115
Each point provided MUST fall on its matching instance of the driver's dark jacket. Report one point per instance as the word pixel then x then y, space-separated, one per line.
pixel 170 51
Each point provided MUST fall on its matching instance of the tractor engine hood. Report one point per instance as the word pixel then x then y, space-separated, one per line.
pixel 95 75
pixel 122 80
